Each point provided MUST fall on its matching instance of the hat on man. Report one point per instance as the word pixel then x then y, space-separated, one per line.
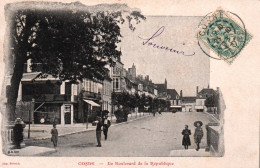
pixel 196 122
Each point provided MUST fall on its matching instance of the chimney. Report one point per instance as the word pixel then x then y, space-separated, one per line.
pixel 181 94
pixel 29 63
pixel 197 91
pixel 218 89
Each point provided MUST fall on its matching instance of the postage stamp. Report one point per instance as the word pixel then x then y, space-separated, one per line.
pixel 223 35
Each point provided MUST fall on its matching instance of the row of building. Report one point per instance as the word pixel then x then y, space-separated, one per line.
pixel 48 99
pixel 196 103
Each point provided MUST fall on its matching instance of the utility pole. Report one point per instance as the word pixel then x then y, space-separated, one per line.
pixel 29 130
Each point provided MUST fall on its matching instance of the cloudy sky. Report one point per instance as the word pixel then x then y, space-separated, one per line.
pixel 182 72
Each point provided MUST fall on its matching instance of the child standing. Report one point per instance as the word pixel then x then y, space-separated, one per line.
pixel 186 137
pixel 54 135
pixel 198 134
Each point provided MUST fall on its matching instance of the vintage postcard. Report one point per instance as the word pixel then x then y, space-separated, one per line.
pixel 129 84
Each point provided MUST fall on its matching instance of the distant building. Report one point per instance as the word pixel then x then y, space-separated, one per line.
pixel 202 96
pixel 117 76
pixel 132 73
pixel 174 99
pixel 106 93
pixel 188 104
pixel 162 90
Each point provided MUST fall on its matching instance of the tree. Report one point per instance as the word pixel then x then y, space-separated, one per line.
pixel 212 101
pixel 65 43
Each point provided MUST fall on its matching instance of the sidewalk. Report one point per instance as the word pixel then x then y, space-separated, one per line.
pixel 189 153
pixel 39 131
pixel 30 151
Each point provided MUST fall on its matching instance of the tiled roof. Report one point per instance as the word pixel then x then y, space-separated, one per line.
pixel 173 93
pixel 207 91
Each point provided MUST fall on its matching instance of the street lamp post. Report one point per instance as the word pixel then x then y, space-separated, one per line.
pixel 29 130
pixel 30 111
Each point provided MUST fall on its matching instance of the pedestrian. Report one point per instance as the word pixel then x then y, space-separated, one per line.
pixel 18 132
pixel 198 134
pixel 54 135
pixel 99 130
pixel 106 125
pixel 186 137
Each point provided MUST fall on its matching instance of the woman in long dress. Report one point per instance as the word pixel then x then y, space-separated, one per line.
pixel 186 137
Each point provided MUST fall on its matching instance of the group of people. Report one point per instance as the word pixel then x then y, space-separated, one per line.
pixel 105 123
pixel 197 135
pixel 100 123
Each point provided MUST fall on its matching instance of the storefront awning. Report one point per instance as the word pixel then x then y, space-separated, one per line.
pixel 199 107
pixel 175 106
pixel 35 76
pixel 92 103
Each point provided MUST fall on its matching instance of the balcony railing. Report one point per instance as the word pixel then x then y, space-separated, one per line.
pixel 46 97
pixel 91 95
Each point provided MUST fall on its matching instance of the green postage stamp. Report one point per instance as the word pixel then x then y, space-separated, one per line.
pixel 223 35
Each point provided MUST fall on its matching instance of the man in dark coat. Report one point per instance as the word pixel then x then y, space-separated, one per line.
pixel 99 130
pixel 54 135
pixel 186 137
pixel 18 133
pixel 106 125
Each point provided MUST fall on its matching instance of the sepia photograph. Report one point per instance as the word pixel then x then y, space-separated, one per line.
pixel 75 82
pixel 126 84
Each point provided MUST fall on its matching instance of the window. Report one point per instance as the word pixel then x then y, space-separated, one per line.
pixel 95 87
pixel 88 86
pixel 116 83
pixel 67 108
pixel 104 89
pixel 92 86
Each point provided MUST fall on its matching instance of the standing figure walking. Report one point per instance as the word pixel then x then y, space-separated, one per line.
pixel 198 134
pixel 54 135
pixel 99 130
pixel 186 137
pixel 106 125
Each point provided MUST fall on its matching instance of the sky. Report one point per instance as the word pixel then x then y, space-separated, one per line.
pixel 176 32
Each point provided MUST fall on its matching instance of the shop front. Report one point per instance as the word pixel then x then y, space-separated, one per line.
pixel 175 108
pixel 49 113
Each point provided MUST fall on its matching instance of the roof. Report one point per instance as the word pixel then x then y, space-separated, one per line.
pixel 188 99
pixel 173 93
pixel 207 91
pixel 161 88
pixel 204 93
pixel 35 76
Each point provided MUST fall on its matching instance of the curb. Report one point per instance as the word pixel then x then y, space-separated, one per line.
pixel 45 153
pixel 87 130
pixel 211 115
pixel 19 153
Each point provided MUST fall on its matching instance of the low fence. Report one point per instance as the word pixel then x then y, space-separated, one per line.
pixel 215 139
pixel 7 134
